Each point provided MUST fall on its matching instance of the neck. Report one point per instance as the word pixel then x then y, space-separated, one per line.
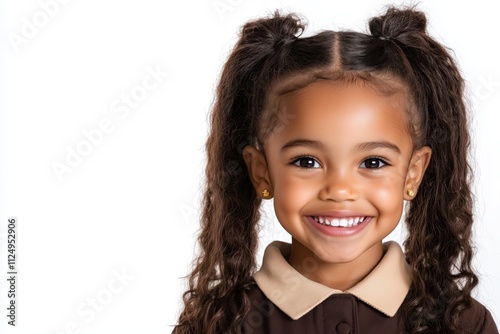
pixel 340 276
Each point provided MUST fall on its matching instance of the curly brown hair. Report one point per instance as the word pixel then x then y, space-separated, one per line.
pixel 398 49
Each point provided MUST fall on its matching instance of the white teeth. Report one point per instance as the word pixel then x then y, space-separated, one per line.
pixel 343 222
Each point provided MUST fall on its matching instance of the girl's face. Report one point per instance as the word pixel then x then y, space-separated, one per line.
pixel 339 169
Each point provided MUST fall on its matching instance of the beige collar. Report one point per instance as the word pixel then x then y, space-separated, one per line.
pixel 384 288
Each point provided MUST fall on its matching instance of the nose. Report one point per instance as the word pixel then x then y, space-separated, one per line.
pixel 339 186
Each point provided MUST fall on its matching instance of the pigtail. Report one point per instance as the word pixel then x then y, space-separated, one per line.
pixel 216 301
pixel 439 219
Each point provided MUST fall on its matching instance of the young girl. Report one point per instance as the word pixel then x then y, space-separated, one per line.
pixel 340 129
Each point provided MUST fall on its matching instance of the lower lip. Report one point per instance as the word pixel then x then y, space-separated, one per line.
pixel 337 231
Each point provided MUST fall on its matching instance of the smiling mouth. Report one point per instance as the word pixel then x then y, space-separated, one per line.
pixel 340 222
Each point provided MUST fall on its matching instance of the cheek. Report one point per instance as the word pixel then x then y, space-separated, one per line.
pixel 291 194
pixel 387 192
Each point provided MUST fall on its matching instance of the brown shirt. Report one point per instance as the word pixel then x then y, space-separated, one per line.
pixel 284 301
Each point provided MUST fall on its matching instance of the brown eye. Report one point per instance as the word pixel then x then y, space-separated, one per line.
pixel 373 163
pixel 306 162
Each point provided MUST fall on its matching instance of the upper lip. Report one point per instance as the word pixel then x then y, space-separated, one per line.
pixel 339 214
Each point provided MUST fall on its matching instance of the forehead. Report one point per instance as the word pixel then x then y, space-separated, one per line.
pixel 351 111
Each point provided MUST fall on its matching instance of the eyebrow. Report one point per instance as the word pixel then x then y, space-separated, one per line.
pixel 378 144
pixel 303 143
pixel 361 147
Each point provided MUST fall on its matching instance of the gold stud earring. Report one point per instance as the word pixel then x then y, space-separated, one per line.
pixel 265 193
pixel 410 193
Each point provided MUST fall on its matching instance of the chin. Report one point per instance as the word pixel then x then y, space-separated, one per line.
pixel 341 258
pixel 337 255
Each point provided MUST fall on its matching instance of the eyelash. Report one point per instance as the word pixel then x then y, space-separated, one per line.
pixel 379 159
pixel 297 159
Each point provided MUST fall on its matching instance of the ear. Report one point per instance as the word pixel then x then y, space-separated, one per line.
pixel 416 169
pixel 258 170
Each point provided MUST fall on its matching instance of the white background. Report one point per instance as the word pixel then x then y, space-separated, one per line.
pixel 129 208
